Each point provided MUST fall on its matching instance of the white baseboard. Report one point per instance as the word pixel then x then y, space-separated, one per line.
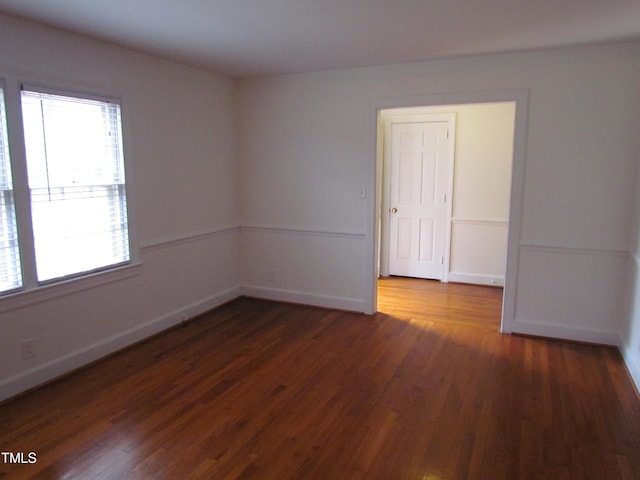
pixel 59 366
pixel 632 361
pixel 305 298
pixel 578 334
pixel 476 279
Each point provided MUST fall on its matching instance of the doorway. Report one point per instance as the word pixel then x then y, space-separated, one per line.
pixel 465 266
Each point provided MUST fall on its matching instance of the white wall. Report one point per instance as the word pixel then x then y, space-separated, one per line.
pixel 180 142
pixel 302 158
pixel 481 188
pixel 308 143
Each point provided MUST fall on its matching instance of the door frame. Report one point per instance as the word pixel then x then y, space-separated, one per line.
pixel 387 121
pixel 374 181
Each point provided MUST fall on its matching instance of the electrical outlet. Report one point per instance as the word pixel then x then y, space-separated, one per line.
pixel 272 276
pixel 28 348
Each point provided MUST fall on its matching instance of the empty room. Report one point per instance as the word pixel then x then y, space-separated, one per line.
pixel 211 264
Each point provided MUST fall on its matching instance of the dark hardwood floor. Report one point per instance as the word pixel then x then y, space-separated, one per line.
pixel 427 389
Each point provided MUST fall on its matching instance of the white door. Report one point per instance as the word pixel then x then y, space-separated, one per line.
pixel 420 158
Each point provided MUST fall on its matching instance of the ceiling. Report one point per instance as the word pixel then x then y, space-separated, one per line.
pixel 244 38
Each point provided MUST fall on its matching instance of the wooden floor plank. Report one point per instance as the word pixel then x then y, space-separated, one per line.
pixel 425 389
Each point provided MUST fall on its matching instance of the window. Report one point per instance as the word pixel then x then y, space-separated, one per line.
pixel 77 204
pixel 10 273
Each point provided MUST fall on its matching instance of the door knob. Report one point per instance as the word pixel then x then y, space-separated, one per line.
pixel 394 210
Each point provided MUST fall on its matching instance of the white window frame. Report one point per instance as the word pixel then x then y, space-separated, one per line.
pixel 8 194
pixel 32 290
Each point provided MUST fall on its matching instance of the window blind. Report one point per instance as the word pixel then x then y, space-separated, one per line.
pixel 76 174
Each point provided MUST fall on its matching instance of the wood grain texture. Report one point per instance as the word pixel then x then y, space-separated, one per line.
pixel 425 389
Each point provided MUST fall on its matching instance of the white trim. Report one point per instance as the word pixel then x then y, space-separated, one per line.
pixel 449 200
pixel 180 239
pixel 489 222
pixel 632 362
pixel 572 250
pixel 68 93
pixel 477 279
pixel 62 365
pixel 521 99
pixel 303 231
pixel 579 334
pixel 71 286
pixel 304 298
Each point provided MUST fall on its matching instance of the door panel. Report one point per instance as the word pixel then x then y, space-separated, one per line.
pixel 405 178
pixel 404 239
pixel 427 240
pixel 428 175
pixel 419 180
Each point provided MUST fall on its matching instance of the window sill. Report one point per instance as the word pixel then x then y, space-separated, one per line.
pixel 43 293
